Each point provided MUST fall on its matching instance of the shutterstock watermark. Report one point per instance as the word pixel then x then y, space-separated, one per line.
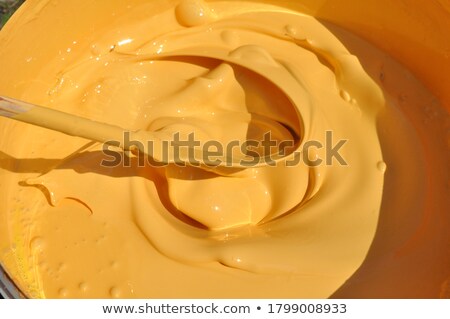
pixel 212 153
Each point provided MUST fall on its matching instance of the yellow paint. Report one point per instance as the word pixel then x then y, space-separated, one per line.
pixel 71 228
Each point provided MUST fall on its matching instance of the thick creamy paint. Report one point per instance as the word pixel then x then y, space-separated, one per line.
pixel 72 227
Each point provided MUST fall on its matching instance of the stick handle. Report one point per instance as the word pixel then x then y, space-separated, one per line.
pixel 60 121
